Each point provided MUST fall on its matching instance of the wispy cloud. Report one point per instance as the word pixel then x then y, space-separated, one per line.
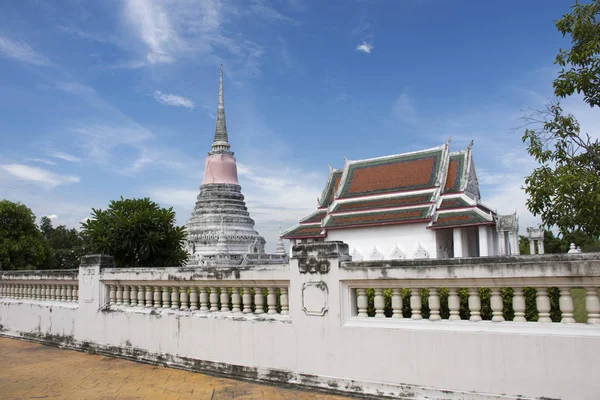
pixel 173 100
pixel 38 176
pixel 21 51
pixel 365 47
pixel 64 156
pixel 403 109
pixel 44 161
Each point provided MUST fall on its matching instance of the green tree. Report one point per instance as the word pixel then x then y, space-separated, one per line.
pixel 565 189
pixel 138 233
pixel 66 245
pixel 22 245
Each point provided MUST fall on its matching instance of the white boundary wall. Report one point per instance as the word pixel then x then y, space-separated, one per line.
pixel 323 343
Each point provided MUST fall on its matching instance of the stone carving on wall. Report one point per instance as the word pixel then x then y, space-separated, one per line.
pixel 398 254
pixel 376 255
pixel 314 298
pixel 421 252
pixel 356 255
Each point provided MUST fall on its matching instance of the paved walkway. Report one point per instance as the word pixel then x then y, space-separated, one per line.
pixel 34 371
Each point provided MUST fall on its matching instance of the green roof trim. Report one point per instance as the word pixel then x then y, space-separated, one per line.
pixel 378 217
pixel 460 218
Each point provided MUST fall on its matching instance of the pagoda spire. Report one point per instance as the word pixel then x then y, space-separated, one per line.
pixel 221 142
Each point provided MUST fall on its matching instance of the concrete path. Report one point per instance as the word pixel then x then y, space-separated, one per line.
pixel 34 371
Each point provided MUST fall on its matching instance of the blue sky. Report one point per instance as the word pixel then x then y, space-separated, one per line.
pixel 118 98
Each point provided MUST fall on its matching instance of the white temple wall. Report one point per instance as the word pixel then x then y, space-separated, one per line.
pixel 408 237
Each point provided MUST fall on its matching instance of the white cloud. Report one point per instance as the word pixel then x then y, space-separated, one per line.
pixel 51 217
pixel 38 176
pixel 403 109
pixel 173 100
pixel 44 161
pixel 64 156
pixel 21 51
pixel 365 47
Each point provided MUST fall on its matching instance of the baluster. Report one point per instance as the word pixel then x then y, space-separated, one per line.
pixel 379 303
pixel 166 297
pixel 183 296
pixel 474 304
pixel 272 300
pixel 157 297
pixel 592 305
pixel 21 291
pixel 259 301
pixel 32 292
pixel 27 291
pixel 13 291
pixel 112 295
pixel 542 301
pixel 63 293
pixel 235 300
pixel 141 296
pixel 285 302
pixel 214 299
pixel 397 304
pixel 247 301
pixel 453 304
pixel 518 302
pixel 203 299
pixel 149 297
pixel 68 293
pixel 126 295
pixel 193 298
pixel 415 303
pixel 133 295
pixel 38 292
pixel 565 303
pixel 224 299
pixel 174 298
pixel 76 293
pixel 119 295
pixel 434 305
pixel 362 302
pixel 53 289
pixel 497 305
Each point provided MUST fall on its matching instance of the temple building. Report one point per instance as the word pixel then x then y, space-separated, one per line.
pixel 423 204
pixel 220 230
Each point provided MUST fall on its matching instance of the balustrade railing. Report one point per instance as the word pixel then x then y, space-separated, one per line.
pixel 40 291
pixel 210 298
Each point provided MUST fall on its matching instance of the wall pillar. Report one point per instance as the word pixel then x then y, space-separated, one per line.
pixel 484 250
pixel 531 246
pixel 458 242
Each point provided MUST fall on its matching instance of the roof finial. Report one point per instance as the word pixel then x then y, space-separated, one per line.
pixel 449 140
pixel 221 141
pixel 470 144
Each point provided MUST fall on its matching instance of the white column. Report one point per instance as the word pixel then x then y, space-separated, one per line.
pixel 453 304
pixel 458 244
pixel 272 300
pixel 174 298
pixel 183 297
pixel 542 302
pixel 126 295
pixel 502 250
pixel 397 303
pixel 284 300
pixel 362 302
pixel 112 295
pixel 119 295
pixel 484 247
pixel 193 298
pixel 415 303
pixel 531 246
pixel 565 303
pixel 166 297
pixel 518 302
pixel 379 303
pixel 247 301
pixel 541 246
pixel 149 296
pixel 203 299
pixel 235 300
pixel 224 299
pixel 514 244
pixel 69 293
pixel 63 292
pixel 141 296
pixel 258 301
pixel 434 305
pixel 214 299
pixel 133 295
pixel 157 297
pixel 474 304
pixel 497 305
pixel 592 305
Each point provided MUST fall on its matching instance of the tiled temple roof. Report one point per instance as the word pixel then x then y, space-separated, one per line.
pixel 392 174
pixel 402 188
pixel 396 216
pixel 463 217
